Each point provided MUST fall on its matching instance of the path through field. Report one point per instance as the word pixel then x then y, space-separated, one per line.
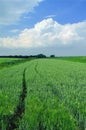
pixel 13 120
pixel 46 94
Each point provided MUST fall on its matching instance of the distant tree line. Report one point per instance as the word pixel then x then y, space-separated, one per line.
pixel 27 56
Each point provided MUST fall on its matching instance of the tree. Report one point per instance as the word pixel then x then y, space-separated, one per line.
pixel 52 56
pixel 41 56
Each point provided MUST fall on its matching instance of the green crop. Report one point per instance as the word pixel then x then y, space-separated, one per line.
pixel 49 94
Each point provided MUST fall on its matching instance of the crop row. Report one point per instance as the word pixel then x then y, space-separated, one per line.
pixel 56 94
pixel 11 80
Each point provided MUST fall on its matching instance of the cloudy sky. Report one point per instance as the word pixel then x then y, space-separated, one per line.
pixel 29 27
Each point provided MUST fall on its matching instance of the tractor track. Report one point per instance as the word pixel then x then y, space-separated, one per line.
pixel 36 70
pixel 13 120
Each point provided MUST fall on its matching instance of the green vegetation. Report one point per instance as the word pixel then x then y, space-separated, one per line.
pixel 81 59
pixel 10 89
pixel 4 60
pixel 8 62
pixel 43 94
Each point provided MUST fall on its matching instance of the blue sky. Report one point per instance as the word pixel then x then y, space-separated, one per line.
pixel 43 26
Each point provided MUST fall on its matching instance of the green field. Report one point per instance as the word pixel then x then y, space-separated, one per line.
pixel 81 59
pixel 43 94
pixel 8 62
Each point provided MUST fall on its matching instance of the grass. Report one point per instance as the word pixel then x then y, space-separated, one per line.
pixel 55 95
pixel 10 90
pixel 8 62
pixel 4 60
pixel 81 59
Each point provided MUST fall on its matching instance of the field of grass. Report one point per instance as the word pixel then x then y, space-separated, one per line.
pixel 43 94
pixel 2 60
pixel 8 62
pixel 81 59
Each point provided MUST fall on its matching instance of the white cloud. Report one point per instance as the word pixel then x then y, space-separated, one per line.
pixel 14 30
pixel 48 33
pixel 51 16
pixel 12 10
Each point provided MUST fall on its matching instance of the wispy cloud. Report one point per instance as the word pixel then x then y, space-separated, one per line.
pixel 12 10
pixel 27 17
pixel 50 16
pixel 14 30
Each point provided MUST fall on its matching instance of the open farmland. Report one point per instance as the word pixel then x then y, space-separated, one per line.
pixel 8 62
pixel 81 59
pixel 43 94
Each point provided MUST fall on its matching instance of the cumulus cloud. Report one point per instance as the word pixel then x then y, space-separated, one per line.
pixel 48 33
pixel 12 10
